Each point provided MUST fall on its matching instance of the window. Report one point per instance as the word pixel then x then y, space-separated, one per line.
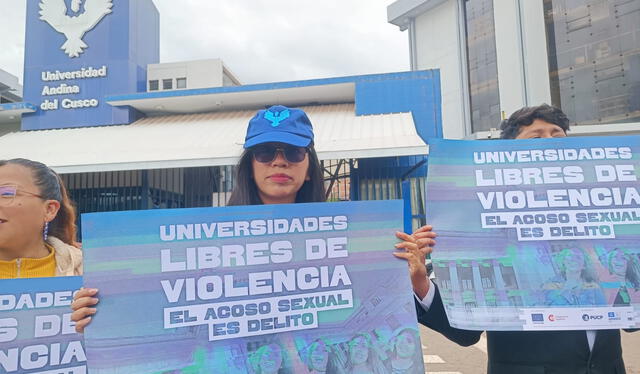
pixel 153 85
pixel 484 96
pixel 167 84
pixel 509 276
pixel 594 59
pixel 468 306
pixel 486 283
pixel 181 83
pixel 515 301
pixel 486 275
pixel 465 274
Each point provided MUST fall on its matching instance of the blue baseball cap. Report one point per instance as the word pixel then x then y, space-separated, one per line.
pixel 279 124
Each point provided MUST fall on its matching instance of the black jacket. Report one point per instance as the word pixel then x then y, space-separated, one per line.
pixel 534 352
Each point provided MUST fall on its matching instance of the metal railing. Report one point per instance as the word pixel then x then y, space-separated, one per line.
pixel 211 186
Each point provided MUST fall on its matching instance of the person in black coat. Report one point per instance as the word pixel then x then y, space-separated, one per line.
pixel 517 352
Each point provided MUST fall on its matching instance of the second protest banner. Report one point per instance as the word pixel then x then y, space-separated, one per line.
pixel 254 289
pixel 537 235
pixel 37 335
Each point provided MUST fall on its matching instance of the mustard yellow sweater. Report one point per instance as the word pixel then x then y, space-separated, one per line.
pixel 29 267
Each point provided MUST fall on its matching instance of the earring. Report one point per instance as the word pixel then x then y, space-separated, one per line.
pixel 45 231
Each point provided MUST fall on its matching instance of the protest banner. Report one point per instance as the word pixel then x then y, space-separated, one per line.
pixel 37 335
pixel 537 235
pixel 250 289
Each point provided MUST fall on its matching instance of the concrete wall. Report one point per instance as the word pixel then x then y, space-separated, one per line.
pixel 10 88
pixel 199 74
pixel 437 47
pixel 523 73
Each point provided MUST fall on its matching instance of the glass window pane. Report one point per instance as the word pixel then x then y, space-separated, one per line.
pixel 181 83
pixel 482 62
pixel 594 59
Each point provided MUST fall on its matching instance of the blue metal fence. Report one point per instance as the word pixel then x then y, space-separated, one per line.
pixel 345 179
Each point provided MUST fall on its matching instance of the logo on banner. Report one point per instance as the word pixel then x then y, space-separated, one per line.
pixel 537 317
pixel 587 317
pixel 54 12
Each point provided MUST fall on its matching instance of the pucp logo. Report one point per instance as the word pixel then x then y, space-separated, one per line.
pixel 54 12
pixel 587 317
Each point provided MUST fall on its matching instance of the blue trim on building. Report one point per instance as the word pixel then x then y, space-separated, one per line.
pixel 406 199
pixel 393 167
pixel 417 92
pixel 438 102
pixel 18 106
pixel 273 86
pixel 226 89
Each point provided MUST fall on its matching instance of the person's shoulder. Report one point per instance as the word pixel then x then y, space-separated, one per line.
pixel 68 257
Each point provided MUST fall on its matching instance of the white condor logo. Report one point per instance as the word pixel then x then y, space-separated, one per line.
pixel 54 12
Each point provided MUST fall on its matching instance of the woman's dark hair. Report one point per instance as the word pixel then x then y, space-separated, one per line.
pixel 333 366
pixel 245 191
pixel 587 273
pixel 525 116
pixel 417 353
pixel 51 187
pixel 374 363
pixel 633 267
pixel 255 357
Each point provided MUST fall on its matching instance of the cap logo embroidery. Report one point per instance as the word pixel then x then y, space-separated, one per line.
pixel 276 118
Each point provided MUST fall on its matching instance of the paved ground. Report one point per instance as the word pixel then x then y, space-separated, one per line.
pixel 444 357
pixel 631 352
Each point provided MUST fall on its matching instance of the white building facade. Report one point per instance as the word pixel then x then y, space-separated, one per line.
pixel 11 106
pixel 189 75
pixel 496 56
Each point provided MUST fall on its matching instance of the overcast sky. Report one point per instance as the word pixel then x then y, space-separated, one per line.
pixel 259 40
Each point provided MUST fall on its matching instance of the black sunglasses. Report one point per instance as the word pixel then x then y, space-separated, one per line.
pixel 267 152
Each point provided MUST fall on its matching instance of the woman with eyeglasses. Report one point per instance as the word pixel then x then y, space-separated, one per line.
pixel 279 165
pixel 37 223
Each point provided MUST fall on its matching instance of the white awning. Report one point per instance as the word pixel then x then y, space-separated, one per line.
pixel 207 139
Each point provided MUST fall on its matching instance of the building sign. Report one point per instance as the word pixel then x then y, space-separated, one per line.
pixel 79 51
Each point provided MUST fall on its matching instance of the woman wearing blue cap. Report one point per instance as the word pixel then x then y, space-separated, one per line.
pixel 279 165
